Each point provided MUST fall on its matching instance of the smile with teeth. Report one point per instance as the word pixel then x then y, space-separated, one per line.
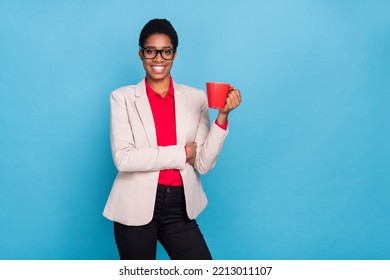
pixel 158 68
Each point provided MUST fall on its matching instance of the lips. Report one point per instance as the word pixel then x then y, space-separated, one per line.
pixel 158 69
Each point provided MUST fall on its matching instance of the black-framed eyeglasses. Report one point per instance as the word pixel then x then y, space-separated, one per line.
pixel 150 53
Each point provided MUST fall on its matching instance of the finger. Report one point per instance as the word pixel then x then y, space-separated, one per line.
pixel 228 103
pixel 234 98
pixel 237 94
pixel 231 103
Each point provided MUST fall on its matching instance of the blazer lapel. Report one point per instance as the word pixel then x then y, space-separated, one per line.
pixel 180 114
pixel 145 113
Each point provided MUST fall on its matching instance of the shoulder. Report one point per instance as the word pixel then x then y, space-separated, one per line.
pixel 192 91
pixel 127 91
pixel 194 96
pixel 123 90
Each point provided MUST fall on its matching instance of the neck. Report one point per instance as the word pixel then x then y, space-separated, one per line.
pixel 159 86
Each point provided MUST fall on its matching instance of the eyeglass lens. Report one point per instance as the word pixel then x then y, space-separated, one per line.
pixel 150 53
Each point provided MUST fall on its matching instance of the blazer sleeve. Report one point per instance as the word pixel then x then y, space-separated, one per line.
pixel 209 140
pixel 126 155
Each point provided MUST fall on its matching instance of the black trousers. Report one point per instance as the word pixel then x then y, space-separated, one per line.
pixel 180 236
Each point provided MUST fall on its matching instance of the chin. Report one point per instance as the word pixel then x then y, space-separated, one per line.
pixel 159 77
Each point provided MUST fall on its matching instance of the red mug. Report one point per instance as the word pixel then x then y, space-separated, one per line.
pixel 217 94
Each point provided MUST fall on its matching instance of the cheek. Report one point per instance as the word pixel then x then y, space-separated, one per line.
pixel 169 66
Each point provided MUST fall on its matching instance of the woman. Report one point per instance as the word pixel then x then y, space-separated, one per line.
pixel 161 140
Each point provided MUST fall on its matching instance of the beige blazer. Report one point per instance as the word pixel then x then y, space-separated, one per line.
pixel 138 158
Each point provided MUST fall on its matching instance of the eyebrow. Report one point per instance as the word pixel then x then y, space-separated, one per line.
pixel 163 48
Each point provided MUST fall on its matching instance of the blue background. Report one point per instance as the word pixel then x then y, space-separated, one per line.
pixel 305 170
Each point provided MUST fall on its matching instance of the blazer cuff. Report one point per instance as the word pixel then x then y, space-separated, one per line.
pixel 224 127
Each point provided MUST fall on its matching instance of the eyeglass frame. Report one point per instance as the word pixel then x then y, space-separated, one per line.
pixel 142 49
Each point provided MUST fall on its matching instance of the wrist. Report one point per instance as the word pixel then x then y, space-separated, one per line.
pixel 222 113
pixel 222 118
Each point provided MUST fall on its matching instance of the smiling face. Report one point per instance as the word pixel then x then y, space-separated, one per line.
pixel 157 69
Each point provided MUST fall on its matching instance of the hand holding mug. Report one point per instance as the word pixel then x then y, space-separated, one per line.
pixel 222 96
pixel 233 100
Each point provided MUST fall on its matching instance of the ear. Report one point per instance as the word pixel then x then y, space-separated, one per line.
pixel 140 55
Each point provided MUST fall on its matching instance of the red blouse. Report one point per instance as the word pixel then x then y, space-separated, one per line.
pixel 163 110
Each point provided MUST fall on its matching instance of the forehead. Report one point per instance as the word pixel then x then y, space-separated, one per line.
pixel 158 40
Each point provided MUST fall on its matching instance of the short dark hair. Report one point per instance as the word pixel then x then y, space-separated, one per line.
pixel 158 26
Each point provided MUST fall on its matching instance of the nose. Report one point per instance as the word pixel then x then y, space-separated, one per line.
pixel 159 57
